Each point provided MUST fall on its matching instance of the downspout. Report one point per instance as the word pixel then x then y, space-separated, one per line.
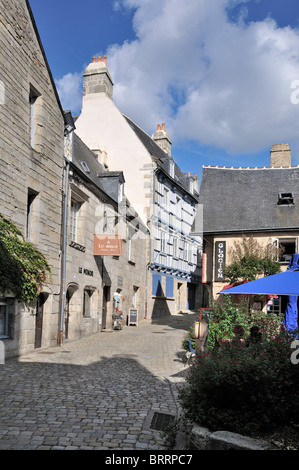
pixel 63 254
pixel 67 156
pixel 150 241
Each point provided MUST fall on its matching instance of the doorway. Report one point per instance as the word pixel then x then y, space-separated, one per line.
pixel 67 314
pixel 39 313
pixel 191 296
pixel 106 299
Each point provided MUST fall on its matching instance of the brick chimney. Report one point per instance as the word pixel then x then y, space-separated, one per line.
pixel 161 138
pixel 280 155
pixel 97 79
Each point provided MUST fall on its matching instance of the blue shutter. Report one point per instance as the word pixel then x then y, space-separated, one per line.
pixel 169 287
pixel 156 286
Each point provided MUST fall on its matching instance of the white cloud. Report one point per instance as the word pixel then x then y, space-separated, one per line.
pixel 210 79
pixel 69 89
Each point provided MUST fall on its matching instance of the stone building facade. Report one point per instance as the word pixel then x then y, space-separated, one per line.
pixel 100 287
pixel 31 157
pixel 258 202
pixel 164 198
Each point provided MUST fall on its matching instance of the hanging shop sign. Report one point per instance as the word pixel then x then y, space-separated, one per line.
pixel 220 252
pixel 107 245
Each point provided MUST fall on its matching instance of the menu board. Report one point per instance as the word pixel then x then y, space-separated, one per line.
pixel 133 316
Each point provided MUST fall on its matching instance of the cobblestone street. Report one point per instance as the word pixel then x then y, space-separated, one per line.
pixel 97 393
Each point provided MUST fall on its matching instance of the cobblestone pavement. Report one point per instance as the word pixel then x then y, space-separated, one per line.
pixel 97 393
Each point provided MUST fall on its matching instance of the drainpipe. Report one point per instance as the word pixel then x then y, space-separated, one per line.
pixel 69 128
pixel 150 241
pixel 63 255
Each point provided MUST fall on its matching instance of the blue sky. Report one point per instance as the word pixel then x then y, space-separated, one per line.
pixel 221 74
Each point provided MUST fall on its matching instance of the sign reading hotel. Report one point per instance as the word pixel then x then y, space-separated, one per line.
pixel 220 248
pixel 107 245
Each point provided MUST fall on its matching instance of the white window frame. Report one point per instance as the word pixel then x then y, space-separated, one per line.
pixel 277 241
pixel 163 241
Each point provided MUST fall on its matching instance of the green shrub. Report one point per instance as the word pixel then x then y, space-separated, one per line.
pixel 227 315
pixel 243 389
pixel 23 268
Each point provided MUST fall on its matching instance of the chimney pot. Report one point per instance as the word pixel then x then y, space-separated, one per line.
pixel 163 126
pixel 99 58
pixel 94 59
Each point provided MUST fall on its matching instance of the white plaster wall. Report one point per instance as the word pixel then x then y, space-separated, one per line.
pixel 102 125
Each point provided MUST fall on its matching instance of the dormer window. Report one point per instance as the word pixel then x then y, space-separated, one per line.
pixel 171 169
pixel 285 199
pixel 85 167
pixel 120 192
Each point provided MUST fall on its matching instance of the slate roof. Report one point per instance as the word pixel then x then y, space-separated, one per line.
pixel 81 153
pixel 245 199
pixel 106 181
pixel 161 158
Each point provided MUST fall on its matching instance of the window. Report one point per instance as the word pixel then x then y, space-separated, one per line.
pixel 285 199
pixel 166 198
pixel 171 169
pixel 120 192
pixel 75 206
pixel 284 249
pixel 274 305
pixel 134 299
pixel 175 247
pixel 3 318
pixel 87 302
pixel 191 185
pixel 31 195
pixel 130 249
pixel 163 242
pixel 185 251
pixel 85 167
pixel 33 97
pixel 288 248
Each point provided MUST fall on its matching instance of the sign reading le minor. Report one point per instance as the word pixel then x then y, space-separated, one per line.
pixel 107 245
pixel 220 248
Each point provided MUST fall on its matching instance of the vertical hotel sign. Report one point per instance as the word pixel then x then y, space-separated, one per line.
pixel 107 245
pixel 220 251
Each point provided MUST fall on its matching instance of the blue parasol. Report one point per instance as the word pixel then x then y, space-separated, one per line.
pixel 285 283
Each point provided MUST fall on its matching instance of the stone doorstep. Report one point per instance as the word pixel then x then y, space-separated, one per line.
pixel 203 439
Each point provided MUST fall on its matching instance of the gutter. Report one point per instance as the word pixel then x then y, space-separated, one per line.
pixel 68 135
